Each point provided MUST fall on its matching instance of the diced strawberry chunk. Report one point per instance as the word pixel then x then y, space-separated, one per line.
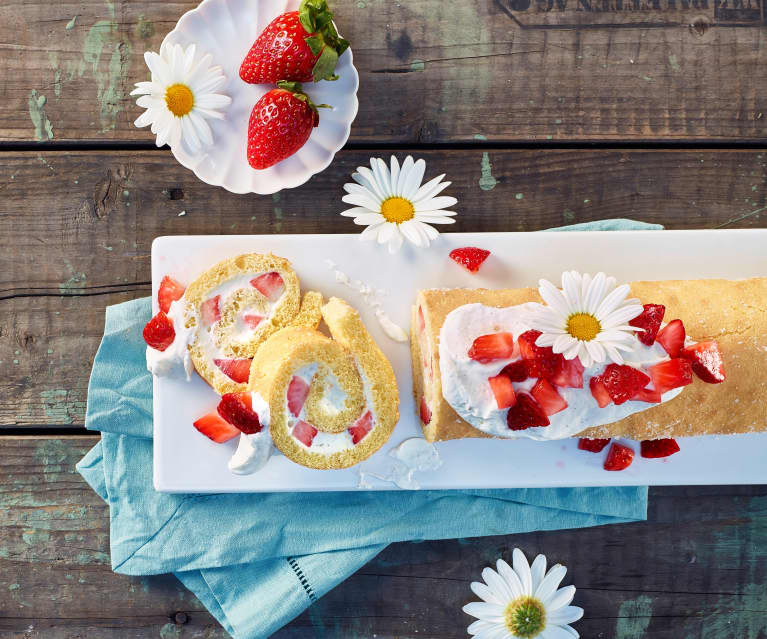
pixel 671 337
pixel 304 433
pixel 470 257
pixel 650 320
pixel 706 359
pixel 215 427
pixel 210 311
pixel 425 411
pixel 159 332
pixel 671 374
pixel 270 285
pixel 516 371
pixel 569 373
pixel 421 320
pixel 623 382
pixel 599 392
pixel 298 391
pixel 170 291
pixel 593 445
pixel 252 321
pixel 237 409
pixel 486 348
pixel 647 395
pixel 527 347
pixel 361 427
pixel 548 398
pixel 503 390
pixel 541 361
pixel 238 370
pixel 619 457
pixel 654 448
pixel 526 413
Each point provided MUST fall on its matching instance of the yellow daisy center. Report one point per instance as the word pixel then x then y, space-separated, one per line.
pixel 583 326
pixel 525 617
pixel 179 99
pixel 397 210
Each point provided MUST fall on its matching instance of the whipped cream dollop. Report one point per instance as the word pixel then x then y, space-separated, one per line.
pixel 411 456
pixel 253 451
pixel 465 381
pixel 174 359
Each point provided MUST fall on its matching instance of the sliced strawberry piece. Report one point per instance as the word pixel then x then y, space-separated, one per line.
pixel 486 348
pixel 252 321
pixel 215 427
pixel 159 332
pixel 237 409
pixel 170 291
pixel 527 347
pixel 270 285
pixel 650 320
pixel 238 370
pixel 516 371
pixel 654 448
pixel 671 374
pixel 210 311
pixel 503 390
pixel 569 373
pixel 647 395
pixel 619 457
pixel 599 392
pixel 470 257
pixel 421 320
pixel 425 411
pixel 706 359
pixel 304 433
pixel 298 391
pixel 526 413
pixel 622 382
pixel 593 445
pixel 541 361
pixel 361 427
pixel 671 337
pixel 548 398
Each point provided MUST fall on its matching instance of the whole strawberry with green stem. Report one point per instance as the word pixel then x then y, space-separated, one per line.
pixel 280 124
pixel 297 46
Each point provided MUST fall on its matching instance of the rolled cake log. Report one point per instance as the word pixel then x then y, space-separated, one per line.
pixel 734 313
pixel 332 402
pixel 234 307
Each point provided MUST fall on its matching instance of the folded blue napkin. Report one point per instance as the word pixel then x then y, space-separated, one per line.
pixel 256 561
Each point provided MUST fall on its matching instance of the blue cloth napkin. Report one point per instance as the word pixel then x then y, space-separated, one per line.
pixel 257 561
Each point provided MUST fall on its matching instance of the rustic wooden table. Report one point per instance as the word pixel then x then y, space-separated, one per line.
pixel 542 113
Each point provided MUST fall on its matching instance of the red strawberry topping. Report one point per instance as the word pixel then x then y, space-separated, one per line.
pixel 486 348
pixel 237 409
pixel 526 413
pixel 361 427
pixel 654 448
pixel 270 285
pixel 527 347
pixel 706 359
pixel 304 433
pixel 650 320
pixel 159 332
pixel 548 398
pixel 421 320
pixel 215 427
pixel 425 411
pixel 298 391
pixel 569 373
pixel 516 371
pixel 623 382
pixel 671 337
pixel 599 392
pixel 541 361
pixel 470 257
pixel 252 321
pixel 170 291
pixel 238 370
pixel 619 457
pixel 671 374
pixel 593 445
pixel 647 395
pixel 210 311
pixel 503 390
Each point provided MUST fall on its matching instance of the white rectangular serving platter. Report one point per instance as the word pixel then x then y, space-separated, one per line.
pixel 185 461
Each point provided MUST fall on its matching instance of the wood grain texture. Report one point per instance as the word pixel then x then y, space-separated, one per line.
pixel 696 568
pixel 78 229
pixel 430 71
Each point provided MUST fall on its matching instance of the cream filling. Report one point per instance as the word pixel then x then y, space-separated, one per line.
pixel 175 358
pixel 253 451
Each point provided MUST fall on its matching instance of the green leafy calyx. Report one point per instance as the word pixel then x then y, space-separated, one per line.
pixel 323 39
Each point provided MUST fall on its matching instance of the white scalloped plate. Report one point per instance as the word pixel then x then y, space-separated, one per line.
pixel 227 29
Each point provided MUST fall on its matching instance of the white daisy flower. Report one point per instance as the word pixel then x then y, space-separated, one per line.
pixel 523 602
pixel 394 205
pixel 181 96
pixel 587 319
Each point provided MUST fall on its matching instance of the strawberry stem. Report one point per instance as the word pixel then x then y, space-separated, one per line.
pixel 297 90
pixel 323 39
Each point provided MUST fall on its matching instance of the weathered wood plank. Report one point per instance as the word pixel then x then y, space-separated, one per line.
pixel 77 231
pixel 430 71
pixel 697 568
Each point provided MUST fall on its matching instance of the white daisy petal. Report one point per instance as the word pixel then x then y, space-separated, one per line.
pixel 414 180
pixel 621 315
pixel 430 189
pixel 550 582
pixel 396 240
pixel 562 343
pixel 212 101
pixel 485 611
pixel 612 301
pixel 364 200
pixel 435 204
pixel 511 578
pixel 430 232
pixel 354 212
pixel 522 568
pixel 564 615
pixel 407 166
pixel 202 128
pixel 143 88
pixel 571 291
pixel 479 626
pixel 497 584
pixel 538 571
pixel 393 173
pixel 560 598
pixel 553 297
pixel 410 231
pixel 386 233
pixel 555 632
pixel 596 291
pixel 383 177
pixel 369 182
pixel 435 219
pixel 367 219
pixel 546 339
pixel 595 350
pixel 484 592
pixel 372 231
